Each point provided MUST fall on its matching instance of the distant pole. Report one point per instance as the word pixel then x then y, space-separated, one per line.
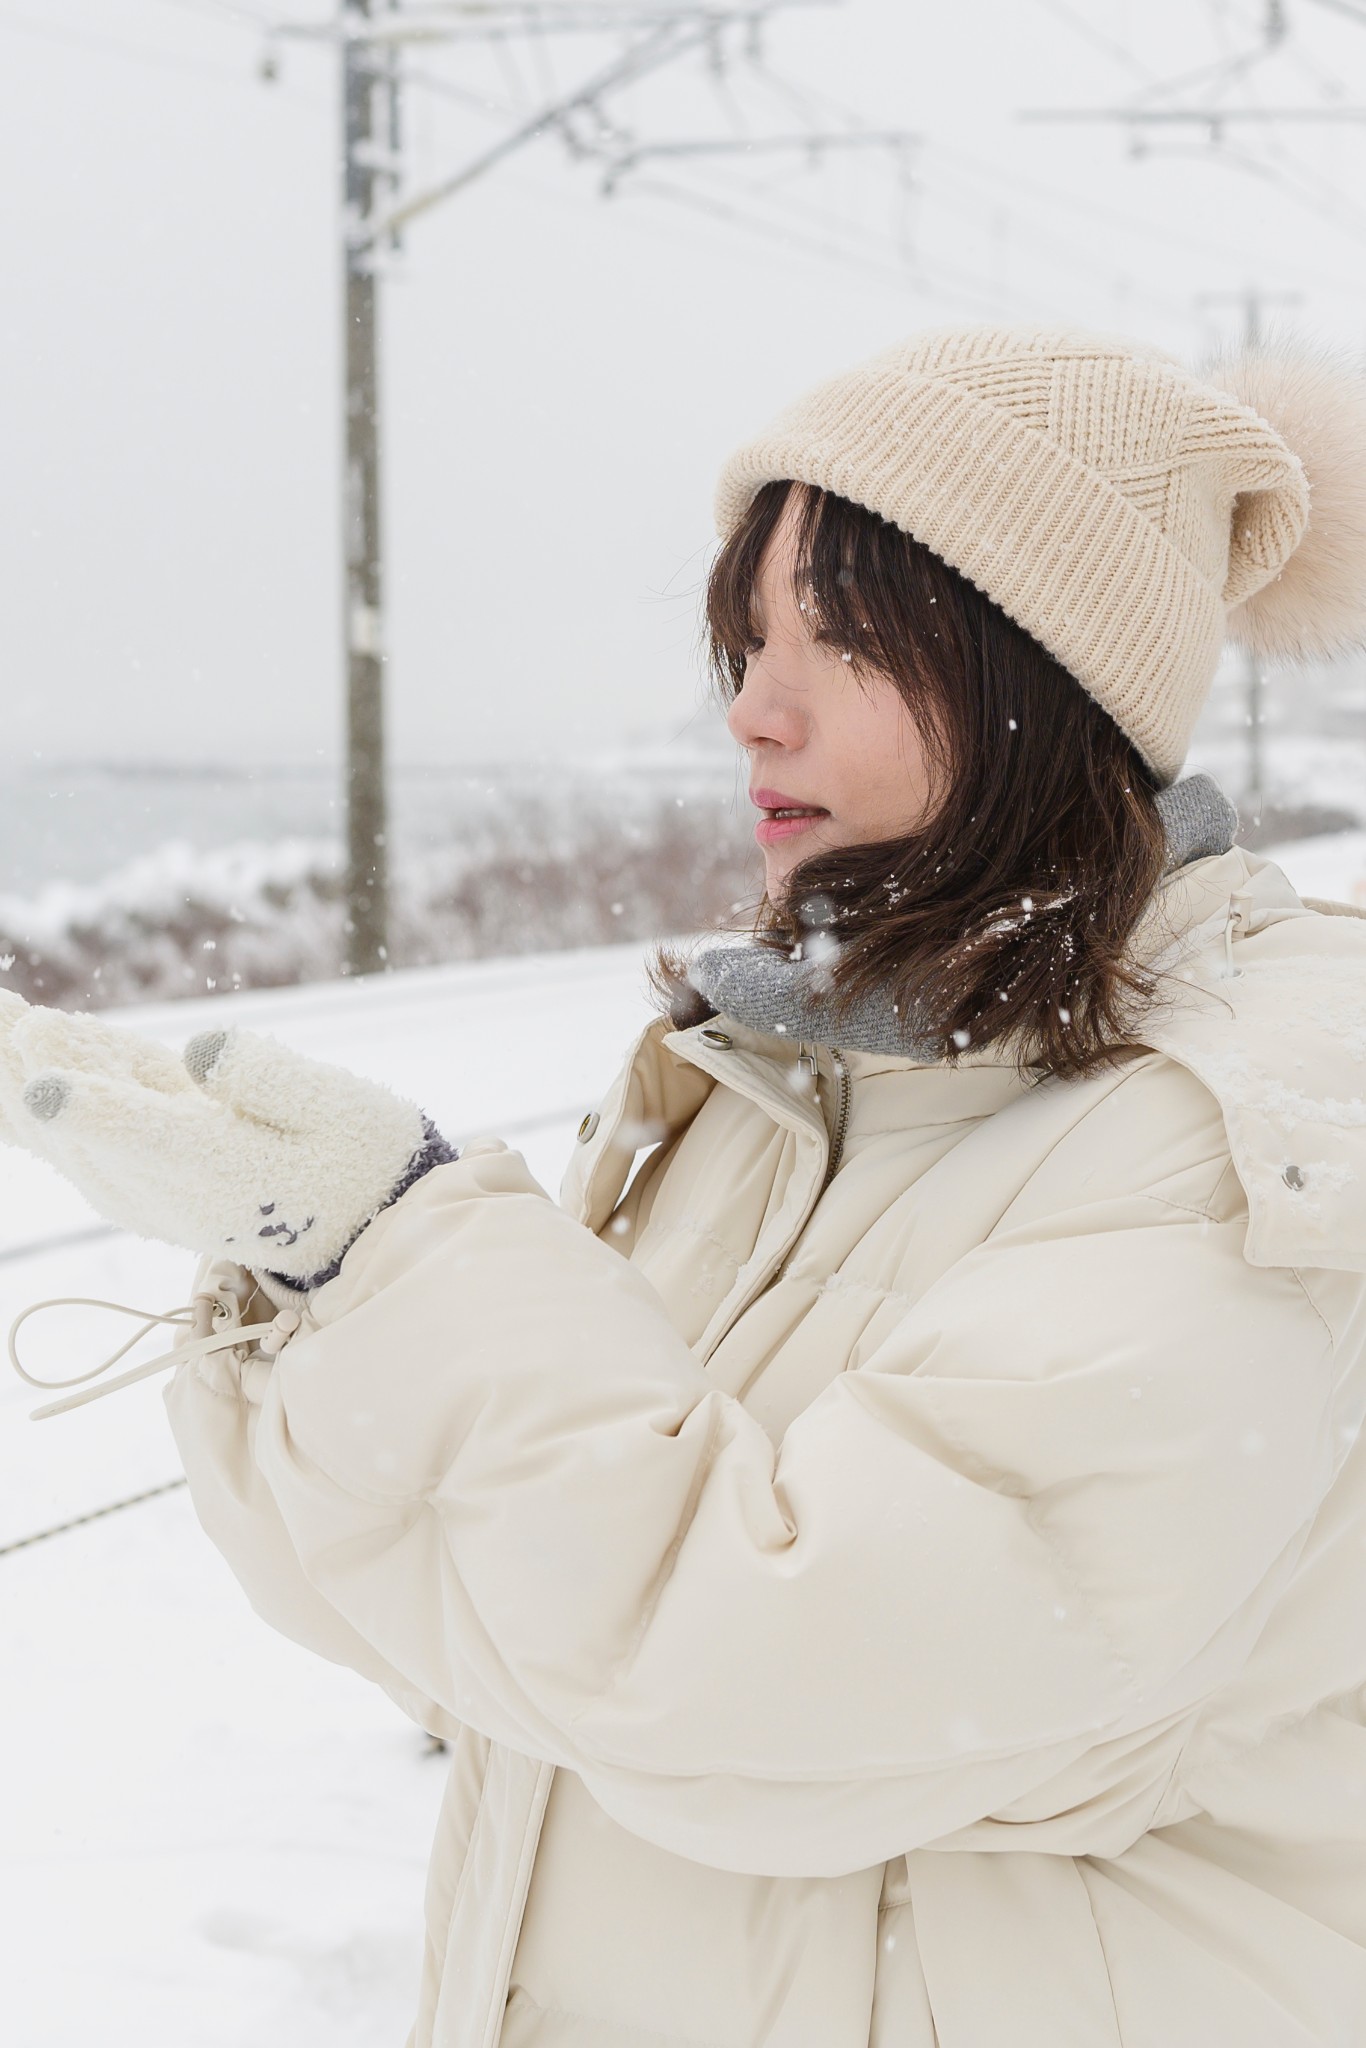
pixel 1256 759
pixel 1252 301
pixel 367 832
pixel 1256 778
pixel 373 35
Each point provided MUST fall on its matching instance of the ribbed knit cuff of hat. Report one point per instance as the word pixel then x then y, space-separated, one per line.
pixel 768 992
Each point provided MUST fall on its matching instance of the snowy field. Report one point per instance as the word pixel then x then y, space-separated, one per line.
pixel 212 1838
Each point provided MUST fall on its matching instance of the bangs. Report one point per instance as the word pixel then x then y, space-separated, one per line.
pixel 869 589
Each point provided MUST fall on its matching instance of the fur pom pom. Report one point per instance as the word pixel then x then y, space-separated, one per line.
pixel 1316 603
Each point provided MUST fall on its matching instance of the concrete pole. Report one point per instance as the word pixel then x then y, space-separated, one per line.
pixel 367 829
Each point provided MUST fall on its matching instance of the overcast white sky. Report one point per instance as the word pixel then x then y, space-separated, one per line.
pixel 562 373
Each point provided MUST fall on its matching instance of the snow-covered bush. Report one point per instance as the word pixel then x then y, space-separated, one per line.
pixel 182 922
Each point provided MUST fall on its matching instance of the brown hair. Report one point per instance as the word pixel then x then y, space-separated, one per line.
pixel 1005 914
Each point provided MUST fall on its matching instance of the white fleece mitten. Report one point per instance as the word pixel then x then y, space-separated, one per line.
pixel 243 1149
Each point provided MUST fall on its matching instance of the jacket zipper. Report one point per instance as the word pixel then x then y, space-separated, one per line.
pixel 841 1118
pixel 773 1271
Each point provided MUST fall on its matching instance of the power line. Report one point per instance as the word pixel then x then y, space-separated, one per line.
pixel 110 46
pixel 989 174
pixel 1324 200
pixel 1292 175
pixel 462 95
pixel 1091 209
pixel 507 19
pixel 1253 303
pixel 811 104
pixel 663 47
pixel 930 272
pixel 1072 256
pixel 878 257
pixel 1297 178
pixel 227 10
pixel 371 36
pixel 1330 87
pixel 1353 10
pixel 1096 37
pixel 758 145
pixel 1199 117
pixel 702 202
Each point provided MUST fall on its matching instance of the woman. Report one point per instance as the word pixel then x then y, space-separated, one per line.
pixel 890 1568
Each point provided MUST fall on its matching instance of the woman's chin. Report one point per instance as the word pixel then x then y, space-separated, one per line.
pixel 777 877
pixel 782 861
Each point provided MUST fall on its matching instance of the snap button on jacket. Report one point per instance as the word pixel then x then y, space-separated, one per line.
pixel 922 1613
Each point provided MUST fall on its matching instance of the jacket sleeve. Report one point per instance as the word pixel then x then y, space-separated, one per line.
pixel 215 1421
pixel 1041 1519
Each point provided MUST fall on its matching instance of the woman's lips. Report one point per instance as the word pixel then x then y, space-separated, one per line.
pixel 784 816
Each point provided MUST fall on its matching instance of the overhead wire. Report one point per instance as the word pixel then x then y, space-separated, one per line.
pixel 868 253
pixel 111 46
pixel 1321 198
pixel 947 197
pixel 837 253
pixel 1284 167
pixel 929 271
pixel 774 190
pixel 463 95
pixel 727 210
pixel 1062 245
pixel 1234 64
pixel 724 93
pixel 230 10
pixel 1091 34
pixel 543 60
pixel 1134 224
pixel 1331 87
pixel 811 104
pixel 1287 172
pixel 871 259
pixel 505 57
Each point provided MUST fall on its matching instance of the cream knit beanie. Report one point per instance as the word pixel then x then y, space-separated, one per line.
pixel 1122 510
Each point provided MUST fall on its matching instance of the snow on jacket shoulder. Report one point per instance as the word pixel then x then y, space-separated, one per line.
pixel 976 1502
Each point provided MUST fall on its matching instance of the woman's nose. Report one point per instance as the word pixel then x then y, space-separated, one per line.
pixel 763 711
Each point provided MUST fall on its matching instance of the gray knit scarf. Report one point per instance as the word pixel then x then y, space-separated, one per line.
pixel 770 992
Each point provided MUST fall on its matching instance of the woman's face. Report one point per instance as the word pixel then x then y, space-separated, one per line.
pixel 838 750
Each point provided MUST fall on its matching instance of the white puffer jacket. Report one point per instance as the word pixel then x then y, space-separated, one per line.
pixel 928 1612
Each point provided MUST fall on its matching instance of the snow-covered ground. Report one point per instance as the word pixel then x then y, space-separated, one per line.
pixel 1332 866
pixel 211 1838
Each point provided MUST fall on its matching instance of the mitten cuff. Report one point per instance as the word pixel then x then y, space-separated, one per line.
pixel 433 1151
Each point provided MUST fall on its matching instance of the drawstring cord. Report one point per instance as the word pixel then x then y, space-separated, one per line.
pixel 1235 926
pixel 210 1322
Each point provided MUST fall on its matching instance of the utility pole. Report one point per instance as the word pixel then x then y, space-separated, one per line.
pixel 1253 303
pixel 372 36
pixel 367 835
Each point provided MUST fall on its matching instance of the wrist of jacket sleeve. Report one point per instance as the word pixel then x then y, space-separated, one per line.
pixel 433 1151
